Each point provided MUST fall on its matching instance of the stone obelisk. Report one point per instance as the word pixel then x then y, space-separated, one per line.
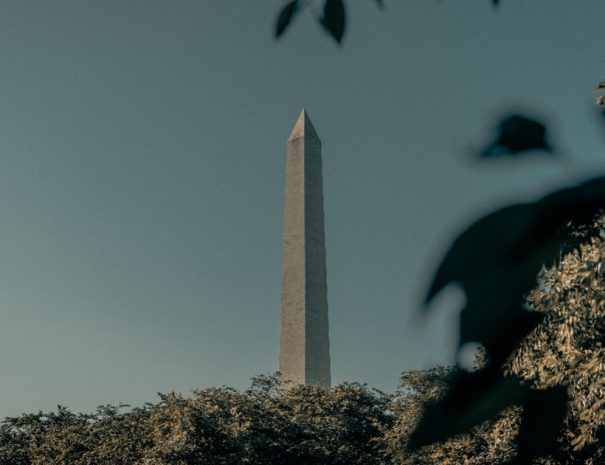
pixel 304 356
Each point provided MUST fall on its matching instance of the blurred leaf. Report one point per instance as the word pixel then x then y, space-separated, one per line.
pixel 470 399
pixel 285 17
pixel 600 86
pixel 543 414
pixel 473 398
pixel 496 261
pixel 517 134
pixel 333 19
pixel 517 239
pixel 487 241
pixel 380 3
pixel 499 330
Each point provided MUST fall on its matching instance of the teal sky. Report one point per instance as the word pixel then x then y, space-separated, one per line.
pixel 142 149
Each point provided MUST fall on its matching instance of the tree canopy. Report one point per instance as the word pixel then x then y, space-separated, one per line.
pixel 266 424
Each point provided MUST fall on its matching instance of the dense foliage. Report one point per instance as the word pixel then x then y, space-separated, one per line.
pixel 567 349
pixel 352 424
pixel 349 424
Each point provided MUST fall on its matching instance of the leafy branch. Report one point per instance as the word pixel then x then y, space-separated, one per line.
pixel 332 18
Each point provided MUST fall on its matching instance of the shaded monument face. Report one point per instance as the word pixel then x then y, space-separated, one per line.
pixel 304 356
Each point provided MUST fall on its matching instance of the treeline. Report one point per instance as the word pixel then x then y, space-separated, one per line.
pixel 352 424
pixel 349 424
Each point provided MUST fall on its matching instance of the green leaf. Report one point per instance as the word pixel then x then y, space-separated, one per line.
pixel 285 17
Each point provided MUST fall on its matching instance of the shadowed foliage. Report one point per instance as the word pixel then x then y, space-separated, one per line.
pixel 267 424
pixel 497 261
pixel 263 425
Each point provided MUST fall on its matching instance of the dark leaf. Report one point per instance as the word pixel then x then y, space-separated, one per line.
pixel 496 261
pixel 543 414
pixel 473 398
pixel 498 329
pixel 470 399
pixel 516 135
pixel 600 434
pixel 333 19
pixel 517 240
pixel 487 241
pixel 380 3
pixel 285 17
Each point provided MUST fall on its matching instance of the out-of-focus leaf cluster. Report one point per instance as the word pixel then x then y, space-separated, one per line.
pixel 600 99
pixel 332 18
pixel 568 348
pixel 532 276
pixel 518 135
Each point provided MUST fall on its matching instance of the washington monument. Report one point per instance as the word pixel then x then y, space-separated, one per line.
pixel 304 356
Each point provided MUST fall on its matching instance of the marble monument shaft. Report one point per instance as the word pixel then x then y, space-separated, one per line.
pixel 304 356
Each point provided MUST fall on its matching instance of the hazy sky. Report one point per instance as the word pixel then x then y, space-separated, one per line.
pixel 142 149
